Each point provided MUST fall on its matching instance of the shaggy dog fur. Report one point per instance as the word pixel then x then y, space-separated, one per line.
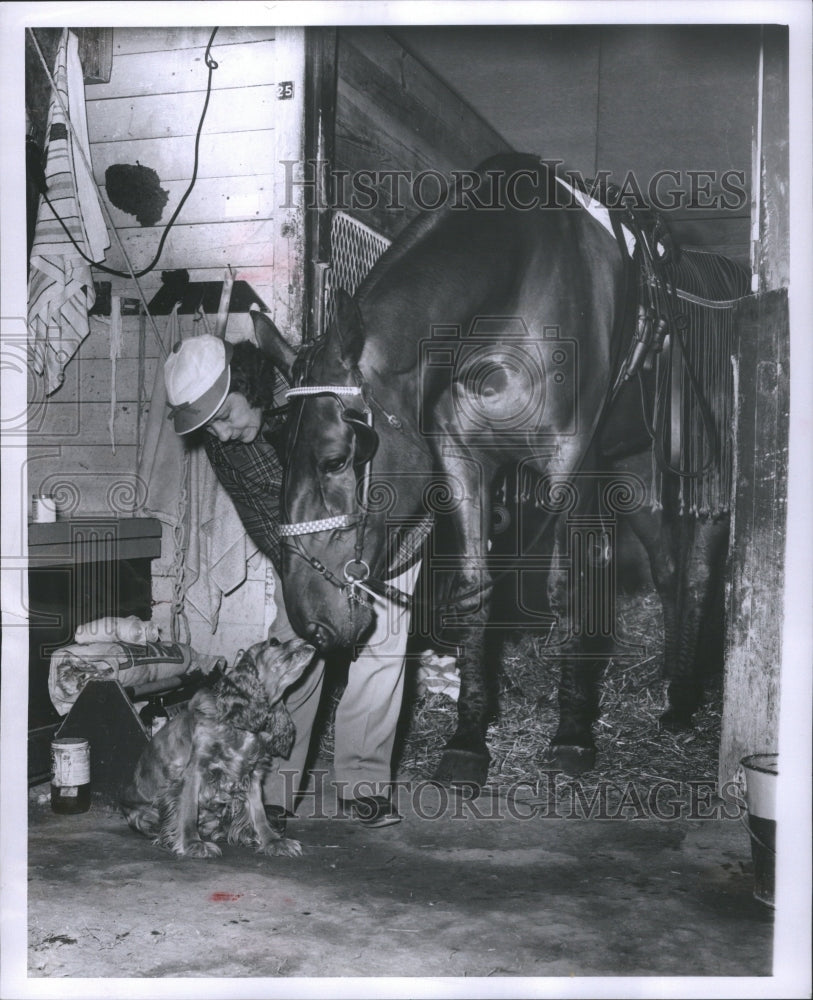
pixel 200 778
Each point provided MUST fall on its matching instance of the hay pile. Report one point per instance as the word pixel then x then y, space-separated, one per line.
pixel 630 745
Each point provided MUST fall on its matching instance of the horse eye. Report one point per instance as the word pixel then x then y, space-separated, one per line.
pixel 334 464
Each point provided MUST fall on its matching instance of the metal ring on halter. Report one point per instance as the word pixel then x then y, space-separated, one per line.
pixel 356 579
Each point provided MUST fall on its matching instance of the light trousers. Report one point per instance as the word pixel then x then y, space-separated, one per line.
pixel 367 713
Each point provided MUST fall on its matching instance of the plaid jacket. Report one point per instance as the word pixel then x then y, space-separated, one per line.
pixel 252 476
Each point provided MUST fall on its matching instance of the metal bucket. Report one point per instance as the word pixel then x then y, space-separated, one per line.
pixel 760 772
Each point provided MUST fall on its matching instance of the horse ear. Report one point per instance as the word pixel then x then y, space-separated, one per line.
pixel 349 327
pixel 272 343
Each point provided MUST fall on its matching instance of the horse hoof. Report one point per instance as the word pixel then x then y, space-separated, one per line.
pixel 675 721
pixel 462 771
pixel 572 760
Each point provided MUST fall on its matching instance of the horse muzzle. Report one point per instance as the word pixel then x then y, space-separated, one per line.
pixel 337 628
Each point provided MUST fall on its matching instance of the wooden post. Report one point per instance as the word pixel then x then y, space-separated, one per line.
pixel 320 121
pixel 750 722
pixel 288 239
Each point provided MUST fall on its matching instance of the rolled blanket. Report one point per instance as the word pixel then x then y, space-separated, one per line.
pixel 130 664
pixel 130 629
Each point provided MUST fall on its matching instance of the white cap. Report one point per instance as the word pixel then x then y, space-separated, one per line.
pixel 197 378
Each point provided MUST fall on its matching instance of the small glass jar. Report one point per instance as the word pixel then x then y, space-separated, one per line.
pixel 43 508
pixel 70 775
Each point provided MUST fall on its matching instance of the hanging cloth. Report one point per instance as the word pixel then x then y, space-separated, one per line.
pixel 60 284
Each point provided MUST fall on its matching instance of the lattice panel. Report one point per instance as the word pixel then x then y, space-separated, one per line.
pixel 354 248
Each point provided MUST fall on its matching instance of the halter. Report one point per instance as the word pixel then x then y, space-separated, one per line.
pixel 358 578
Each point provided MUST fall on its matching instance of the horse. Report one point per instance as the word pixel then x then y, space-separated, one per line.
pixel 508 329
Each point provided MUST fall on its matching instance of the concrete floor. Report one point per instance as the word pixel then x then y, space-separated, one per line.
pixel 458 895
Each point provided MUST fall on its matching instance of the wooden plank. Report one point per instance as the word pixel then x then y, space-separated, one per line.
pixel 363 143
pixel 321 53
pixel 79 458
pixel 431 99
pixel 80 424
pixel 173 71
pixel 287 303
pixel 215 245
pixel 711 234
pixel 388 142
pixel 155 116
pixel 90 380
pixel 96 346
pixel 129 40
pixel 752 679
pixel 414 102
pixel 87 479
pixel 97 343
pixel 774 224
pixel 212 199
pixel 95 54
pixel 172 158
pixel 542 98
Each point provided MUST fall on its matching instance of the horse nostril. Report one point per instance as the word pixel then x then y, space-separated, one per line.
pixel 317 634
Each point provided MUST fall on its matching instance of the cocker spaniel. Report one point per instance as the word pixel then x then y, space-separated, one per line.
pixel 200 778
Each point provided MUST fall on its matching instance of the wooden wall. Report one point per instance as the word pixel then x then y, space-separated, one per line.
pixel 394 114
pixel 755 659
pixel 148 113
pixel 619 98
pixel 236 214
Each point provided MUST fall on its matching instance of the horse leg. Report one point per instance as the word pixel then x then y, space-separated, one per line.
pixel 686 574
pixel 703 549
pixel 580 591
pixel 654 532
pixel 465 759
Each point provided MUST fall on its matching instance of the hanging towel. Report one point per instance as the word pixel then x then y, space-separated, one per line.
pixel 218 547
pixel 60 284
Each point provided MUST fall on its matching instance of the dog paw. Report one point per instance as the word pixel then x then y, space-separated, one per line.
pixel 286 847
pixel 201 849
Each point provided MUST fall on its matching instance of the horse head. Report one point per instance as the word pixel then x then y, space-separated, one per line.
pixel 334 513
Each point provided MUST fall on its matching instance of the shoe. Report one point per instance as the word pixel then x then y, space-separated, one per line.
pixel 277 818
pixel 373 810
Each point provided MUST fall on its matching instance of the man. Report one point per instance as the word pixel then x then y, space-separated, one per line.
pixel 229 391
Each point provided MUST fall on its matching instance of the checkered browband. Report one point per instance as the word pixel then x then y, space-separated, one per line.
pixel 318 390
pixel 311 527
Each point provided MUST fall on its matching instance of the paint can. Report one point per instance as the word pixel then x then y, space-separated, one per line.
pixel 70 775
pixel 760 773
pixel 43 508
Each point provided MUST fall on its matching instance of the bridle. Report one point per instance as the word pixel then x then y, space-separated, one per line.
pixel 356 571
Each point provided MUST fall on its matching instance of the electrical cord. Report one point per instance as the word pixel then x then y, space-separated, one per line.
pixel 212 66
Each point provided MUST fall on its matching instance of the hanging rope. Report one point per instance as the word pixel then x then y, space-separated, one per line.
pixel 179 623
